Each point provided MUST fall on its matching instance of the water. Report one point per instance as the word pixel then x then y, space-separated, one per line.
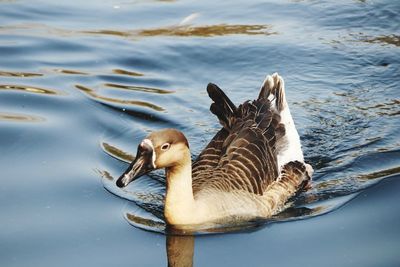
pixel 82 83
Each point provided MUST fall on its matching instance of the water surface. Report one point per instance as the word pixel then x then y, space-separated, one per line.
pixel 82 83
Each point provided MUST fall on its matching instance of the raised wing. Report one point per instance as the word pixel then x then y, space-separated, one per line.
pixel 241 156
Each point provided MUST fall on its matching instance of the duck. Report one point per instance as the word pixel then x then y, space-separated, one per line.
pixel 250 169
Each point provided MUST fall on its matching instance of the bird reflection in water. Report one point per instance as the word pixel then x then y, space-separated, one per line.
pixel 180 250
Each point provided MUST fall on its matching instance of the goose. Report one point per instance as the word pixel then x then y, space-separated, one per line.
pixel 249 170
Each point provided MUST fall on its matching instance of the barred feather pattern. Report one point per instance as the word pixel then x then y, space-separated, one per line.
pixel 242 155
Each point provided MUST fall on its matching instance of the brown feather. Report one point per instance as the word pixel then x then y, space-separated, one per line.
pixel 241 156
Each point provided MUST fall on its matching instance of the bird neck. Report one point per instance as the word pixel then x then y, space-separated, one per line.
pixel 179 200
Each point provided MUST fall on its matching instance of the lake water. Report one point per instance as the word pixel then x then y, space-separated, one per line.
pixel 81 83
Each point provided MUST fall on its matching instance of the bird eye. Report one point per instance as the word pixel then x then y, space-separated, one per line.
pixel 165 146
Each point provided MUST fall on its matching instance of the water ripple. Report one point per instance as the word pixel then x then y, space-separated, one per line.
pixel 389 39
pixel 126 72
pixel 116 152
pixel 208 31
pixel 19 74
pixel 29 89
pixel 384 39
pixel 105 100
pixel 148 117
pixel 72 72
pixel 192 31
pixel 139 88
pixel 174 30
pixel 19 117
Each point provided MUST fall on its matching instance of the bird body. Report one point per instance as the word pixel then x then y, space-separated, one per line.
pixel 249 170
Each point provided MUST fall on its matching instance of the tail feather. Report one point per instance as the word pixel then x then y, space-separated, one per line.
pixel 274 86
pixel 222 107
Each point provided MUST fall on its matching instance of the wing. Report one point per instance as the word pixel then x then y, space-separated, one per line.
pixel 241 156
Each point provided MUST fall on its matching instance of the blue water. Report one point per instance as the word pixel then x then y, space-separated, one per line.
pixel 82 83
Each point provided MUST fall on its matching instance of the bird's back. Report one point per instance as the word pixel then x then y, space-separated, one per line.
pixel 242 155
pixel 254 164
